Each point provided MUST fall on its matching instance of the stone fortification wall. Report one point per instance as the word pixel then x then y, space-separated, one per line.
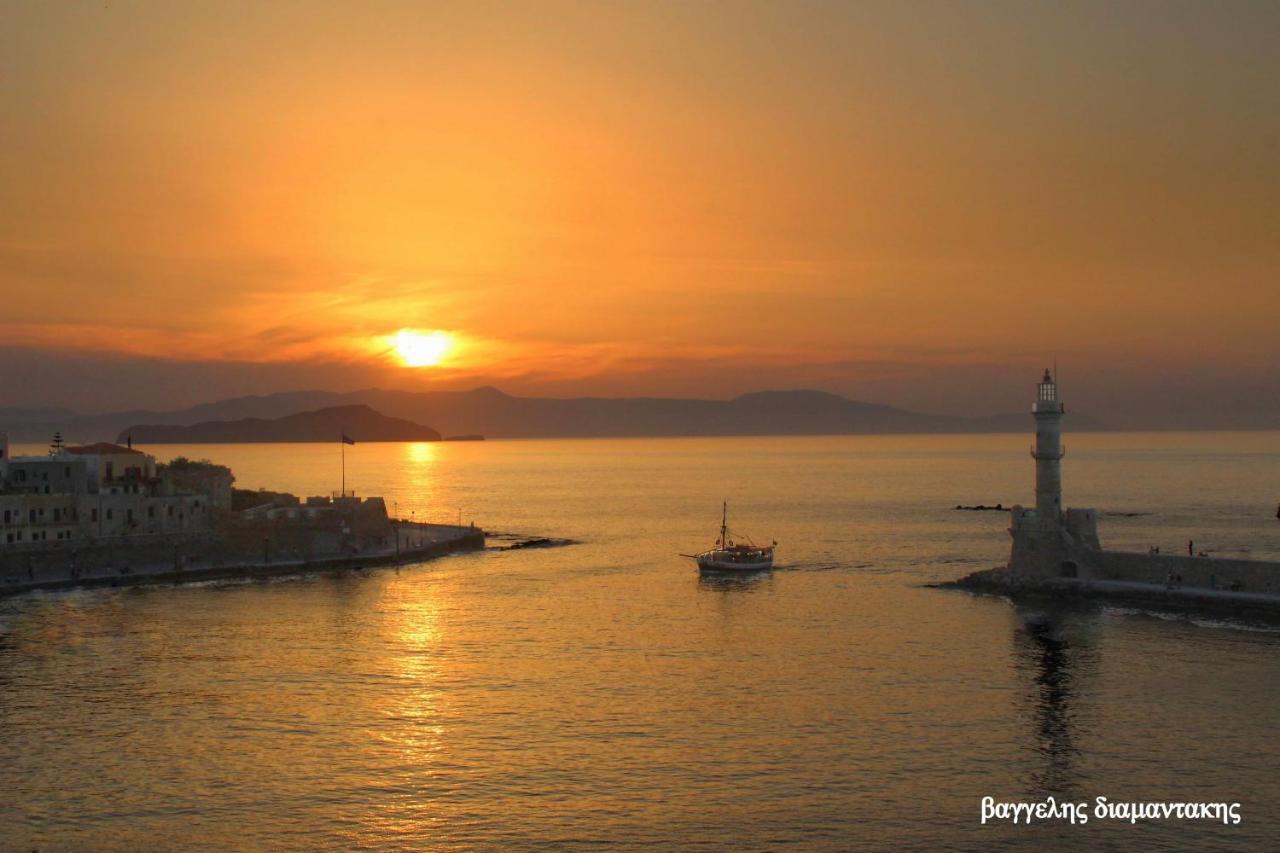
pixel 430 541
pixel 328 534
pixel 62 559
pixel 236 540
pixel 1207 572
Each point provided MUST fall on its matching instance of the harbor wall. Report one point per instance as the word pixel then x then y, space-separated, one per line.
pixel 65 559
pixel 250 543
pixel 1208 572
pixel 1048 555
pixel 107 567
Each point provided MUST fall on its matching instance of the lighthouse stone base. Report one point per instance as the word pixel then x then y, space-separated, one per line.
pixel 1053 547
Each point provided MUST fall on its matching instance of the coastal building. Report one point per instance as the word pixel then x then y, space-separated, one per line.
pixel 47 475
pixel 99 492
pixel 114 465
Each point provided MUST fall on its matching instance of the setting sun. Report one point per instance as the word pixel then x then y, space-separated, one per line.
pixel 421 349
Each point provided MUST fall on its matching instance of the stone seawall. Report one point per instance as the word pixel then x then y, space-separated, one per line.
pixel 1235 575
pixel 127 566
pixel 1224 587
pixel 1144 596
pixel 110 555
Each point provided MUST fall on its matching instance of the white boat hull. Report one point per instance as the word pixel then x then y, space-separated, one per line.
pixel 712 562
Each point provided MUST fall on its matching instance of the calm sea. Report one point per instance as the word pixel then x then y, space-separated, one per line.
pixel 602 692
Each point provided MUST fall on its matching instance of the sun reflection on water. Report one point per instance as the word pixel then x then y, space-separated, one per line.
pixel 409 729
pixel 421 452
pixel 416 480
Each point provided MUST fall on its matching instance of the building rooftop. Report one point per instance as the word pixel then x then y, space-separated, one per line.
pixel 102 448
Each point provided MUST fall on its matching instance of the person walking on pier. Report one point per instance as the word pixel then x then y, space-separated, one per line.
pixel 1191 548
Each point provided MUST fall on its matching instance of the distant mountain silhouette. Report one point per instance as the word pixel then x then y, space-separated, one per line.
pixel 491 413
pixel 19 417
pixel 359 422
pixel 494 414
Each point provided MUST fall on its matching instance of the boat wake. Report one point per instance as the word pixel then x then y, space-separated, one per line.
pixel 871 568
pixel 1232 624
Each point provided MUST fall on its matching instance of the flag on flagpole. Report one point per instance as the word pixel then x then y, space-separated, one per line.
pixel 346 439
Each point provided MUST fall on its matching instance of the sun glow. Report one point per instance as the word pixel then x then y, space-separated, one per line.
pixel 421 349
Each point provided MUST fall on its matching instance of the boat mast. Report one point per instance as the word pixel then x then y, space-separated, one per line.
pixel 724 526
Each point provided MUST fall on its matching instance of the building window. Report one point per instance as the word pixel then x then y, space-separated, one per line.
pixel 171 510
pixel 31 515
pixel 151 512
pixel 128 515
pixel 110 513
pixel 93 514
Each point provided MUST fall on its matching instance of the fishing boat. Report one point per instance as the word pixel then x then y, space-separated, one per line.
pixel 730 556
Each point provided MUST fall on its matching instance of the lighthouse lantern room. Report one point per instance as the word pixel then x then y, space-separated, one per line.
pixel 1048 452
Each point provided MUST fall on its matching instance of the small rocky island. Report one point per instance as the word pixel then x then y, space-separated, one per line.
pixel 1057 554
pixel 327 424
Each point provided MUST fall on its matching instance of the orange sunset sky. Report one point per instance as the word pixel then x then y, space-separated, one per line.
pixel 912 203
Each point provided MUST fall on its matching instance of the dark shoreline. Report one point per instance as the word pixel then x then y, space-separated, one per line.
pixel 472 540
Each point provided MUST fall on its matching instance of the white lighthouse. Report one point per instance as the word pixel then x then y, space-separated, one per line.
pixel 1048 542
pixel 1048 451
